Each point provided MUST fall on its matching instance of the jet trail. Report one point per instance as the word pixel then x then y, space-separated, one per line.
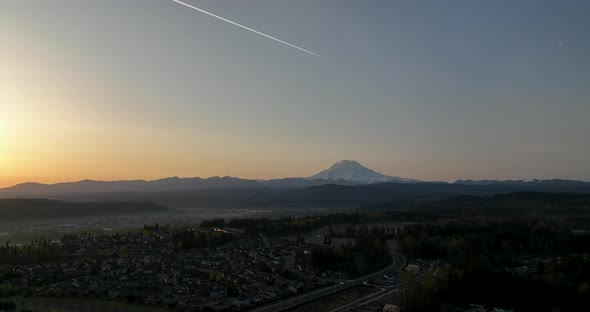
pixel 244 27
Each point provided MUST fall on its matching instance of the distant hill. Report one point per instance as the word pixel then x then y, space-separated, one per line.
pixel 345 183
pixel 385 196
pixel 551 186
pixel 42 209
pixel 381 196
pixel 344 172
pixel 174 184
pixel 166 184
pixel 528 183
pixel 521 204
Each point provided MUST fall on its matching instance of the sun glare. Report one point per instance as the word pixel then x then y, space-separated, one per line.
pixel 3 141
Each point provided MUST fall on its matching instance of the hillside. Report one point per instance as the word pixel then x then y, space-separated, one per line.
pixel 522 204
pixel 42 209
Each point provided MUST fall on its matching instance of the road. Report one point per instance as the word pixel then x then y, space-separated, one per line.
pixel 383 291
pixel 366 300
pixel 398 262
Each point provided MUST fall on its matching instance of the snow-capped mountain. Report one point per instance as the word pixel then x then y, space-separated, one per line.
pixel 345 172
pixel 352 171
pixel 524 182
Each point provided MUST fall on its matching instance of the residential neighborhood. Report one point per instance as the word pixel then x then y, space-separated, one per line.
pixel 145 268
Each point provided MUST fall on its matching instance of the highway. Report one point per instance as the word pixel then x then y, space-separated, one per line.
pixel 383 291
pixel 368 299
pixel 399 261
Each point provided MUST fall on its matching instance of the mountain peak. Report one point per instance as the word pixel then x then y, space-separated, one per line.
pixel 353 171
pixel 346 162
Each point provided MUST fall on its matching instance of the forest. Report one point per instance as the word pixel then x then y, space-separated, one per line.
pixel 39 250
pixel 529 266
pixel 186 239
pixel 286 225
pixel 368 253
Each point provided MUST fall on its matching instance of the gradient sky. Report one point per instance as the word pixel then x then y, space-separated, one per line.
pixel 434 90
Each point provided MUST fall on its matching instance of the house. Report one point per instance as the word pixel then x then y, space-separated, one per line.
pixel 218 292
pixel 414 268
pixel 241 301
pixel 269 294
pixel 390 308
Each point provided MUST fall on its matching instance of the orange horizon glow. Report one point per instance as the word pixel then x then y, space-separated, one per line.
pixel 103 90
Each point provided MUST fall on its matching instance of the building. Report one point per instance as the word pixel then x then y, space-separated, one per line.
pixel 390 308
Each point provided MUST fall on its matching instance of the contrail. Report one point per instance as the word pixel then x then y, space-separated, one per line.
pixel 244 27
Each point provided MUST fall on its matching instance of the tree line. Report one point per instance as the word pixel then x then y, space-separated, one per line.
pixel 39 250
pixel 365 252
pixel 284 225
pixel 480 258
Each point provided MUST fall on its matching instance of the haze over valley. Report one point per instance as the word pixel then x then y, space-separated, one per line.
pixel 344 186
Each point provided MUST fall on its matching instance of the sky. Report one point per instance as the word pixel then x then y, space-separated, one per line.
pixel 432 90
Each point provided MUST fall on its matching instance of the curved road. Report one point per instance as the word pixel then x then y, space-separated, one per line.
pixel 398 262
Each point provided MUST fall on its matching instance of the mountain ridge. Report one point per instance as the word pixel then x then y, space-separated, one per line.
pixel 344 172
pixel 340 173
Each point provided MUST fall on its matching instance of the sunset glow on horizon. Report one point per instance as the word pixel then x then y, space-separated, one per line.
pixel 122 90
